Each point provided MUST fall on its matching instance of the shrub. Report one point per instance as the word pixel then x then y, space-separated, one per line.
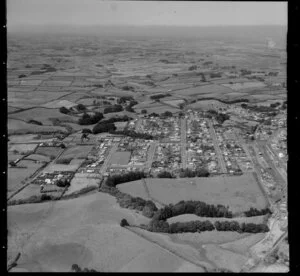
pixel 64 110
pixel 81 107
pixel 87 119
pixel 113 108
pixel 45 197
pixel 64 161
pixel 35 122
pixel 86 130
pixel 124 223
pixel 165 174
pixel 103 127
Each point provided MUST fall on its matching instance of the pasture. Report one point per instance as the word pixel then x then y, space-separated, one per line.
pixel 16 126
pixel 16 176
pixel 238 192
pixel 86 231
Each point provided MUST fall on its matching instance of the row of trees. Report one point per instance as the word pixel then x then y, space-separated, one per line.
pixel 165 174
pixel 254 212
pixel 114 180
pixel 77 268
pixel 201 226
pixel 132 133
pixel 147 207
pixel 198 208
pixel 199 172
pixel 113 108
pixel 103 127
pixel 159 96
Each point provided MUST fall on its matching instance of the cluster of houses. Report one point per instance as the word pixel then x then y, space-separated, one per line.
pixel 200 147
pixel 167 157
pixel 48 181
pixel 97 157
pixel 167 128
pixel 138 149
pixel 233 153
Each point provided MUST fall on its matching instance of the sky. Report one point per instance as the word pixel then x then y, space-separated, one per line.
pixel 141 13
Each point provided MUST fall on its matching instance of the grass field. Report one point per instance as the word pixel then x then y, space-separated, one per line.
pixel 238 192
pixel 32 98
pixel 86 231
pixel 22 148
pixel 15 176
pixel 59 103
pixel 120 158
pixel 211 88
pixel 244 85
pixel 39 157
pixel 19 127
pixel 48 151
pixel 42 115
pixel 76 152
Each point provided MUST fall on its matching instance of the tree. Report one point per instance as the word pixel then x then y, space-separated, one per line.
pixel 64 110
pixel 167 114
pixel 75 268
pixel 124 223
pixel 86 130
pixel 165 174
pixel 81 107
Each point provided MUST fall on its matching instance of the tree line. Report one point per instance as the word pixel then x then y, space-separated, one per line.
pixel 114 180
pixel 201 226
pixel 132 133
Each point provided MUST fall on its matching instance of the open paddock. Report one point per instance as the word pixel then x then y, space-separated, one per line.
pixel 59 103
pixel 52 152
pixel 225 259
pixel 39 157
pixel 238 192
pixel 30 82
pixel 19 127
pixel 56 83
pixel 79 152
pixel 86 231
pixel 242 245
pixel 207 104
pixel 174 103
pixel 16 176
pixel 43 115
pixel 210 88
pixel 72 167
pixel 34 98
pixel 22 148
pixel 13 157
pixel 244 85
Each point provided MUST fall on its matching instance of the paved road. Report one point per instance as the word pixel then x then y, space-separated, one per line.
pixel 107 159
pixel 217 148
pixel 183 143
pixel 151 153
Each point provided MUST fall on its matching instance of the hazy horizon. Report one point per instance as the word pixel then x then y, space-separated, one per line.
pixel 79 13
